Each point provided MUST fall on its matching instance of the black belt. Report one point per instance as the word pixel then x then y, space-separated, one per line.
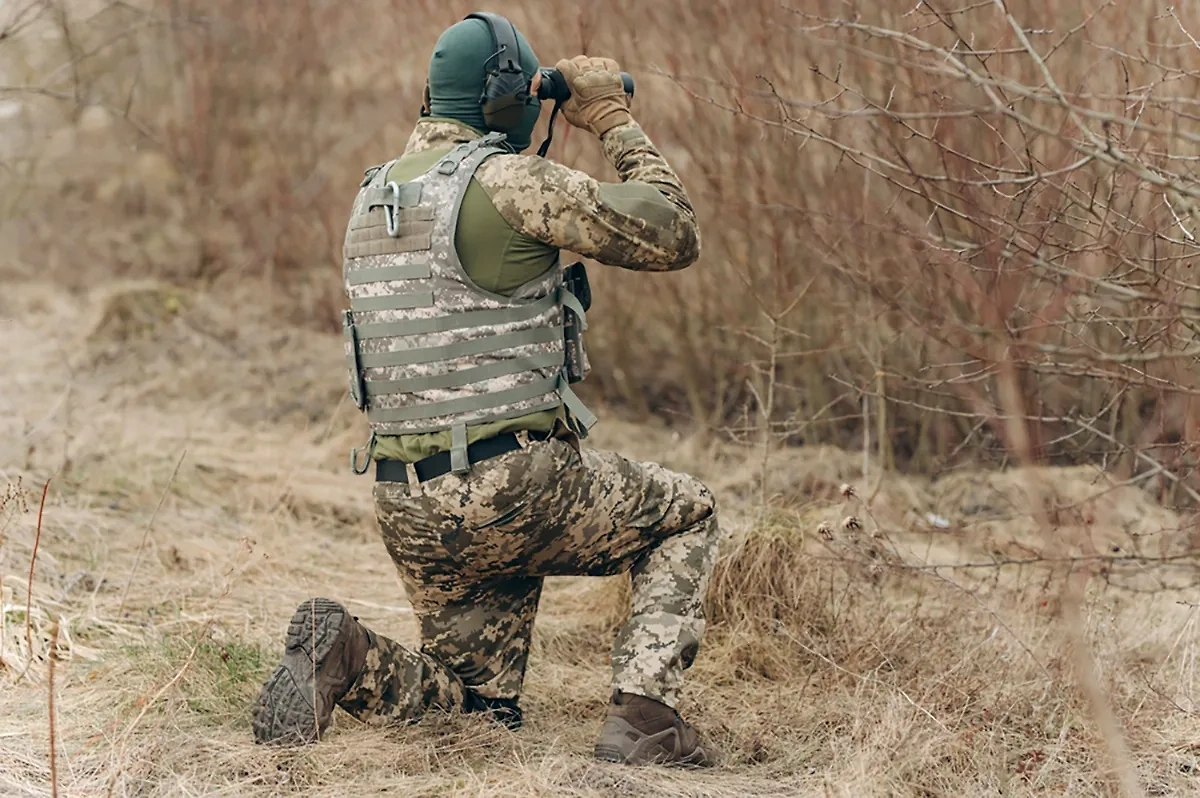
pixel 437 464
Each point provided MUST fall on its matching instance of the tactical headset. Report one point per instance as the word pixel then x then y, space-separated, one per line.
pixel 506 93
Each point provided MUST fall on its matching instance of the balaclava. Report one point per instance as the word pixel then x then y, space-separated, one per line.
pixel 457 74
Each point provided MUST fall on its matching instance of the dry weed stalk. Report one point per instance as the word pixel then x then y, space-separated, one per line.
pixel 37 539
pixel 149 525
pixel 121 743
pixel 51 658
pixel 1070 614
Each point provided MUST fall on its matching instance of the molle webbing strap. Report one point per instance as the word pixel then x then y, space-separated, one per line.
pixel 572 302
pixel 457 321
pixel 378 218
pixel 449 164
pixel 478 346
pixel 459 463
pixel 578 409
pixel 415 236
pixel 411 271
pixel 467 404
pixel 551 402
pixel 389 219
pixel 392 195
pixel 467 376
pixel 407 301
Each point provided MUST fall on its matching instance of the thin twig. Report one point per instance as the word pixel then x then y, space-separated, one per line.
pixel 783 630
pixel 123 741
pixel 866 444
pixel 13 495
pixel 1020 442
pixel 37 539
pixel 146 533
pixel 768 412
pixel 201 634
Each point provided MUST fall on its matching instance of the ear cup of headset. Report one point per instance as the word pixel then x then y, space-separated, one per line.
pixel 504 100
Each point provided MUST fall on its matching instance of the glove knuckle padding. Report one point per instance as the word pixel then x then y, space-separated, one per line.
pixel 597 84
pixel 598 102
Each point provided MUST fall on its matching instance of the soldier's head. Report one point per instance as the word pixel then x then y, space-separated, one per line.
pixel 465 56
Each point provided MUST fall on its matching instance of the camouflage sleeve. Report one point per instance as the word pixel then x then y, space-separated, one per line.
pixel 644 223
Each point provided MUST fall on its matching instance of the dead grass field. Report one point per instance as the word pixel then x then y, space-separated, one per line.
pixel 833 666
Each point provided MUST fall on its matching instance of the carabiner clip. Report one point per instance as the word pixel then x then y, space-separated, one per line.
pixel 391 213
pixel 369 449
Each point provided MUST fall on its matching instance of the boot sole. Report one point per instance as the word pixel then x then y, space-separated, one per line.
pixel 649 749
pixel 284 713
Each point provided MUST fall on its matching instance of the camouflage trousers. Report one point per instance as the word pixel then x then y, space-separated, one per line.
pixel 473 550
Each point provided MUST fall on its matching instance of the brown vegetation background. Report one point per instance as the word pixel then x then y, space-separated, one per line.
pixel 937 360
pixel 895 198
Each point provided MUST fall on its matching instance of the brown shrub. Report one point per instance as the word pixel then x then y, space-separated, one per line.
pixel 892 219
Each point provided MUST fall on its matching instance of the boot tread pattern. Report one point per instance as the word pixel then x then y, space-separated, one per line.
pixel 283 713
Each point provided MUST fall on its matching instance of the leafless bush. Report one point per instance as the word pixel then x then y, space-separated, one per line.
pixel 902 208
pixel 1026 216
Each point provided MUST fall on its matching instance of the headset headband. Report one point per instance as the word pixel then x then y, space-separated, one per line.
pixel 504 36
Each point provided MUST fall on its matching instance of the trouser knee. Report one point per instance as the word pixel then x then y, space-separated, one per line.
pixel 701 506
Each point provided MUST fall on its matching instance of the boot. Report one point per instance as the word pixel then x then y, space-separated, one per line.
pixel 297 701
pixel 642 731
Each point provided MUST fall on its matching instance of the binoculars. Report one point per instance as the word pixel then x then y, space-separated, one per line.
pixel 554 85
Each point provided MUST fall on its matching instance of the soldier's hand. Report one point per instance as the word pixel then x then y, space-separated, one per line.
pixel 598 100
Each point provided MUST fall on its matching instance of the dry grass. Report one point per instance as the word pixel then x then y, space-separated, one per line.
pixel 892 263
pixel 837 663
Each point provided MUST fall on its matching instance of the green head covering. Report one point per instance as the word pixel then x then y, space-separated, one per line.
pixel 458 72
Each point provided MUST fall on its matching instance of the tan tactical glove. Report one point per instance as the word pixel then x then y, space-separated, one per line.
pixel 598 100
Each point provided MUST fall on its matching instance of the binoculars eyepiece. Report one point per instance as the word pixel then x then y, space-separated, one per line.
pixel 554 85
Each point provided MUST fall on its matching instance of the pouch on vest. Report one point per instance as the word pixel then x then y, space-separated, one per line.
pixel 358 388
pixel 575 283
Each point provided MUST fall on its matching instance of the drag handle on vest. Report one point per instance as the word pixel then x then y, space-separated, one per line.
pixel 554 85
